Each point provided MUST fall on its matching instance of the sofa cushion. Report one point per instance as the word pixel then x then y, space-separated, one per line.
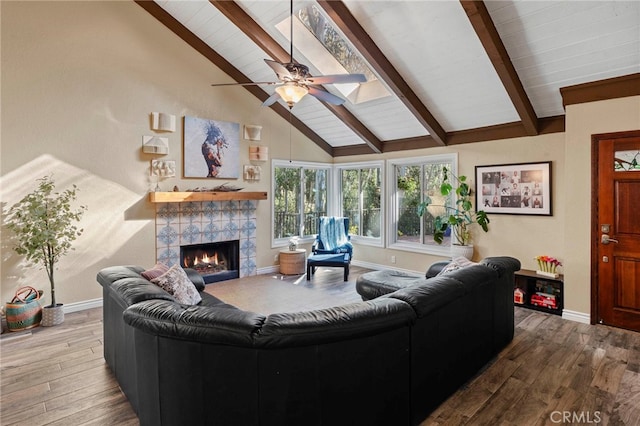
pixel 455 264
pixel 346 322
pixel 176 282
pixel 195 323
pixel 157 270
pixel 426 296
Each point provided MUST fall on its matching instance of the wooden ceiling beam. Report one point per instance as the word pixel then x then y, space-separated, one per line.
pixel 351 28
pixel 484 27
pixel 610 88
pixel 258 35
pixel 201 47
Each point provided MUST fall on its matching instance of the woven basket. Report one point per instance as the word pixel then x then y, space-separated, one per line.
pixel 24 310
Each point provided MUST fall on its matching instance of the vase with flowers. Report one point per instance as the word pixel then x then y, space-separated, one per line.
pixel 548 266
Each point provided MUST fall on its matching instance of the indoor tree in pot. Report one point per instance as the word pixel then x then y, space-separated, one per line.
pixel 459 217
pixel 43 222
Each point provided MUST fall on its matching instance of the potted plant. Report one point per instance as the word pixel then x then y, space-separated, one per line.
pixel 459 217
pixel 44 226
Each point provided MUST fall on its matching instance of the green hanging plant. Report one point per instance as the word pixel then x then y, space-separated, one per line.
pixel 458 217
pixel 44 226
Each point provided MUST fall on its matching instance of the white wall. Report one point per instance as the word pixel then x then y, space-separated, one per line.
pixel 79 80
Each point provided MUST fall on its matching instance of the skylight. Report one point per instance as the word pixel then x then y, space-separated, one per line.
pixel 330 53
pixel 321 28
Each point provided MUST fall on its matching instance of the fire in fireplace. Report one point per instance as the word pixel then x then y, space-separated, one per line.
pixel 214 261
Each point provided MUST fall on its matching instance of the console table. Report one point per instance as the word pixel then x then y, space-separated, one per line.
pixel 292 262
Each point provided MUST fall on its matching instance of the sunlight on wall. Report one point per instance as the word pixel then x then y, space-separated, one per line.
pixel 106 229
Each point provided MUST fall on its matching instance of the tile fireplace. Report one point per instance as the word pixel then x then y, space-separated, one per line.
pixel 186 224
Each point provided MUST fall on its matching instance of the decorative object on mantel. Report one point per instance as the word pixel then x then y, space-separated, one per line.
pixel 548 266
pixel 44 226
pixel 163 122
pixel 155 145
pixel 252 132
pixel 220 188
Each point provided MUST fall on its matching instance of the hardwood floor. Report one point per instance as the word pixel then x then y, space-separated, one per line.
pixel 554 372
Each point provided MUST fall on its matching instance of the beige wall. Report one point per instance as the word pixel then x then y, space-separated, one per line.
pixel 79 80
pixel 566 234
pixel 582 121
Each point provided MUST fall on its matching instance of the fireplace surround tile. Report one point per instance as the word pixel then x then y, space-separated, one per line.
pixel 203 222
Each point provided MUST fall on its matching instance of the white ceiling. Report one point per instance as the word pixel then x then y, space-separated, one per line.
pixel 433 46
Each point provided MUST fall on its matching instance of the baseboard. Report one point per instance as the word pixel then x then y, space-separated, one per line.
pixel 268 270
pixel 576 316
pixel 81 306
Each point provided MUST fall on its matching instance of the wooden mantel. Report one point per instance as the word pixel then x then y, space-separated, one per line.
pixel 185 197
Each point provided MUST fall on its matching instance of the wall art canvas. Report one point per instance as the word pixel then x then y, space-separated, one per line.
pixel 211 148
pixel 514 188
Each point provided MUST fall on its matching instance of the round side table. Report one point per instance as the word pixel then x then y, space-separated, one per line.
pixel 292 262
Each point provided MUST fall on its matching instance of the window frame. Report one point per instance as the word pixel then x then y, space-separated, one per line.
pixel 359 165
pixel 302 165
pixel 392 203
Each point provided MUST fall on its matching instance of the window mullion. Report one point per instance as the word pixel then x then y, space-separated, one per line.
pixel 301 203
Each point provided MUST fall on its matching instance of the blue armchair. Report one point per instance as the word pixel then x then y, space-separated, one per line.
pixel 332 246
pixel 333 236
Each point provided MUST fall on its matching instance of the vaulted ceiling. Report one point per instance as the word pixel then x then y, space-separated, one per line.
pixel 457 71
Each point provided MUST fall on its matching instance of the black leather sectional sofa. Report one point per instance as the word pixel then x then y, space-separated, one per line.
pixel 386 361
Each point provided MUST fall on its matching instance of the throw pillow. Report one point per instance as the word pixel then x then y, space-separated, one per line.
pixel 176 282
pixel 457 263
pixel 156 271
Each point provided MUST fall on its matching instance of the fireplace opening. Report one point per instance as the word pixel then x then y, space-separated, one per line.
pixel 214 261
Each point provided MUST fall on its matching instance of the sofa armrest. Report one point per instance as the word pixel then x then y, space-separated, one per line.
pixel 195 278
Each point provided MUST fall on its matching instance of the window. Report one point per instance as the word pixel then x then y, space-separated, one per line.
pixel 300 197
pixel 360 195
pixel 410 180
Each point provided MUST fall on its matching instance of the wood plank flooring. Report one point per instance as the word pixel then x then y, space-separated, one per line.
pixel 554 372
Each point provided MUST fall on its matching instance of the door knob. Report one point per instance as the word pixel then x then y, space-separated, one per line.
pixel 606 240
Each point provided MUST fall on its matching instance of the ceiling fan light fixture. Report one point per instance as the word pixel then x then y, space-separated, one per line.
pixel 291 93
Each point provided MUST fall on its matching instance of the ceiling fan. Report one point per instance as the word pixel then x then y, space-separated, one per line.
pixel 294 80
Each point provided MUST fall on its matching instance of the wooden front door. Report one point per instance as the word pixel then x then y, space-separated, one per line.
pixel 616 230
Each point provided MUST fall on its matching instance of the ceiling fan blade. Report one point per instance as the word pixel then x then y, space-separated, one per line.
pixel 281 71
pixel 325 96
pixel 258 83
pixel 338 79
pixel 271 99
